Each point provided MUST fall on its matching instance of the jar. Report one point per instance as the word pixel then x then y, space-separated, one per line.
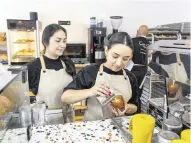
pixel 166 136
pixel 172 124
pixel 117 101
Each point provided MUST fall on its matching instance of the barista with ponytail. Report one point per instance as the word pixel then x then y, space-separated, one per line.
pixel 52 72
pixel 96 81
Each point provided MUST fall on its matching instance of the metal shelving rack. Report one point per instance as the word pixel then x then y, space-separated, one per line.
pixel 172 31
pixel 156 34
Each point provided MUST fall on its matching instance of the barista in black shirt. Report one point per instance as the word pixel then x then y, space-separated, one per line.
pixel 96 82
pixel 52 72
pixel 140 44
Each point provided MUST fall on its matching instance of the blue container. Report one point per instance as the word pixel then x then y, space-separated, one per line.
pixel 92 22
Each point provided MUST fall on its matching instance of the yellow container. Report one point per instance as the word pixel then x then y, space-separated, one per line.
pixel 185 135
pixel 179 141
pixel 141 127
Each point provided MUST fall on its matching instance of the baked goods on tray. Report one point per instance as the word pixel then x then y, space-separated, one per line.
pixel 24 41
pixel 5 105
pixel 25 52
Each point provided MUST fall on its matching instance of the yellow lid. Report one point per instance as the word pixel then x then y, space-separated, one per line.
pixel 179 141
pixel 185 135
pixel 31 94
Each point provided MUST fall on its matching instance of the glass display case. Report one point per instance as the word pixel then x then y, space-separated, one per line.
pixel 13 85
pixel 23 41
pixel 3 48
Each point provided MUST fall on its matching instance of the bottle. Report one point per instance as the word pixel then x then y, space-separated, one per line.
pixel 25 112
pixel 92 22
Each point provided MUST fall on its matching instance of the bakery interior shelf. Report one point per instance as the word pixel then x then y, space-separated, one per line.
pixel 23 42
pixel 162 38
pixel 23 56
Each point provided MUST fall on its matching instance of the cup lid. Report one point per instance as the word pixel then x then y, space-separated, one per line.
pixel 168 135
pixel 172 122
pixel 186 118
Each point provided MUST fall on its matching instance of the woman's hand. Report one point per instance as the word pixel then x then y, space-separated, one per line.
pixel 100 90
pixel 131 108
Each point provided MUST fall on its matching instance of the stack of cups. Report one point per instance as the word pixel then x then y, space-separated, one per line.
pixel 96 23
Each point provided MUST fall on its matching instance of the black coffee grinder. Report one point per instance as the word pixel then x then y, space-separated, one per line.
pixel 116 23
pixel 96 40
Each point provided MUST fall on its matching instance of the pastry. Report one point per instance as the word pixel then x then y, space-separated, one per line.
pixel 24 40
pixel 1 124
pixel 2 37
pixel 5 105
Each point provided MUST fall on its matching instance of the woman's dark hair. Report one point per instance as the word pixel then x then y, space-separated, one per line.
pixel 49 32
pixel 119 38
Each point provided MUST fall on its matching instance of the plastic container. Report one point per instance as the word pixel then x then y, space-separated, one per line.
pixel 99 22
pixel 166 136
pixel 92 22
pixel 38 112
pixel 25 112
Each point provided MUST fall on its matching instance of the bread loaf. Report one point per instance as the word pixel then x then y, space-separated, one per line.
pixel 5 105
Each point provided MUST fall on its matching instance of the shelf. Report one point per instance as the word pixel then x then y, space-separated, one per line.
pixel 23 42
pixel 164 38
pixel 23 56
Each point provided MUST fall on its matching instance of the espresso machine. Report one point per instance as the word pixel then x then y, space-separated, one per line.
pixel 96 43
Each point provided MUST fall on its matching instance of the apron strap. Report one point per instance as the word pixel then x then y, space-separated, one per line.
pixel 43 64
pixel 125 74
pixel 178 58
pixel 101 71
pixel 63 64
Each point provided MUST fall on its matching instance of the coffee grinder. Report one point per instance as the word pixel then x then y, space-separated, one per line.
pixel 96 40
pixel 116 23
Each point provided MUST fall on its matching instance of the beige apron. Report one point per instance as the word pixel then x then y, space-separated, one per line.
pixel 50 89
pixel 119 82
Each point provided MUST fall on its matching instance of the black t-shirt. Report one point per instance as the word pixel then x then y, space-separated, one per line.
pixel 34 70
pixel 140 50
pixel 86 78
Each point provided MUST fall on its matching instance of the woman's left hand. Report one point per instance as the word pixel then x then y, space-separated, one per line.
pixel 118 112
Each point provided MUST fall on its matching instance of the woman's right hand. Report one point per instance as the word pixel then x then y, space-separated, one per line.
pixel 100 90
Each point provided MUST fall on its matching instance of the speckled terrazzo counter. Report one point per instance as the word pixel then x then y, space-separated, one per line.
pixel 101 131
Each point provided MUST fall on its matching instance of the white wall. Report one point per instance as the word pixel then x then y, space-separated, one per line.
pixel 135 13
